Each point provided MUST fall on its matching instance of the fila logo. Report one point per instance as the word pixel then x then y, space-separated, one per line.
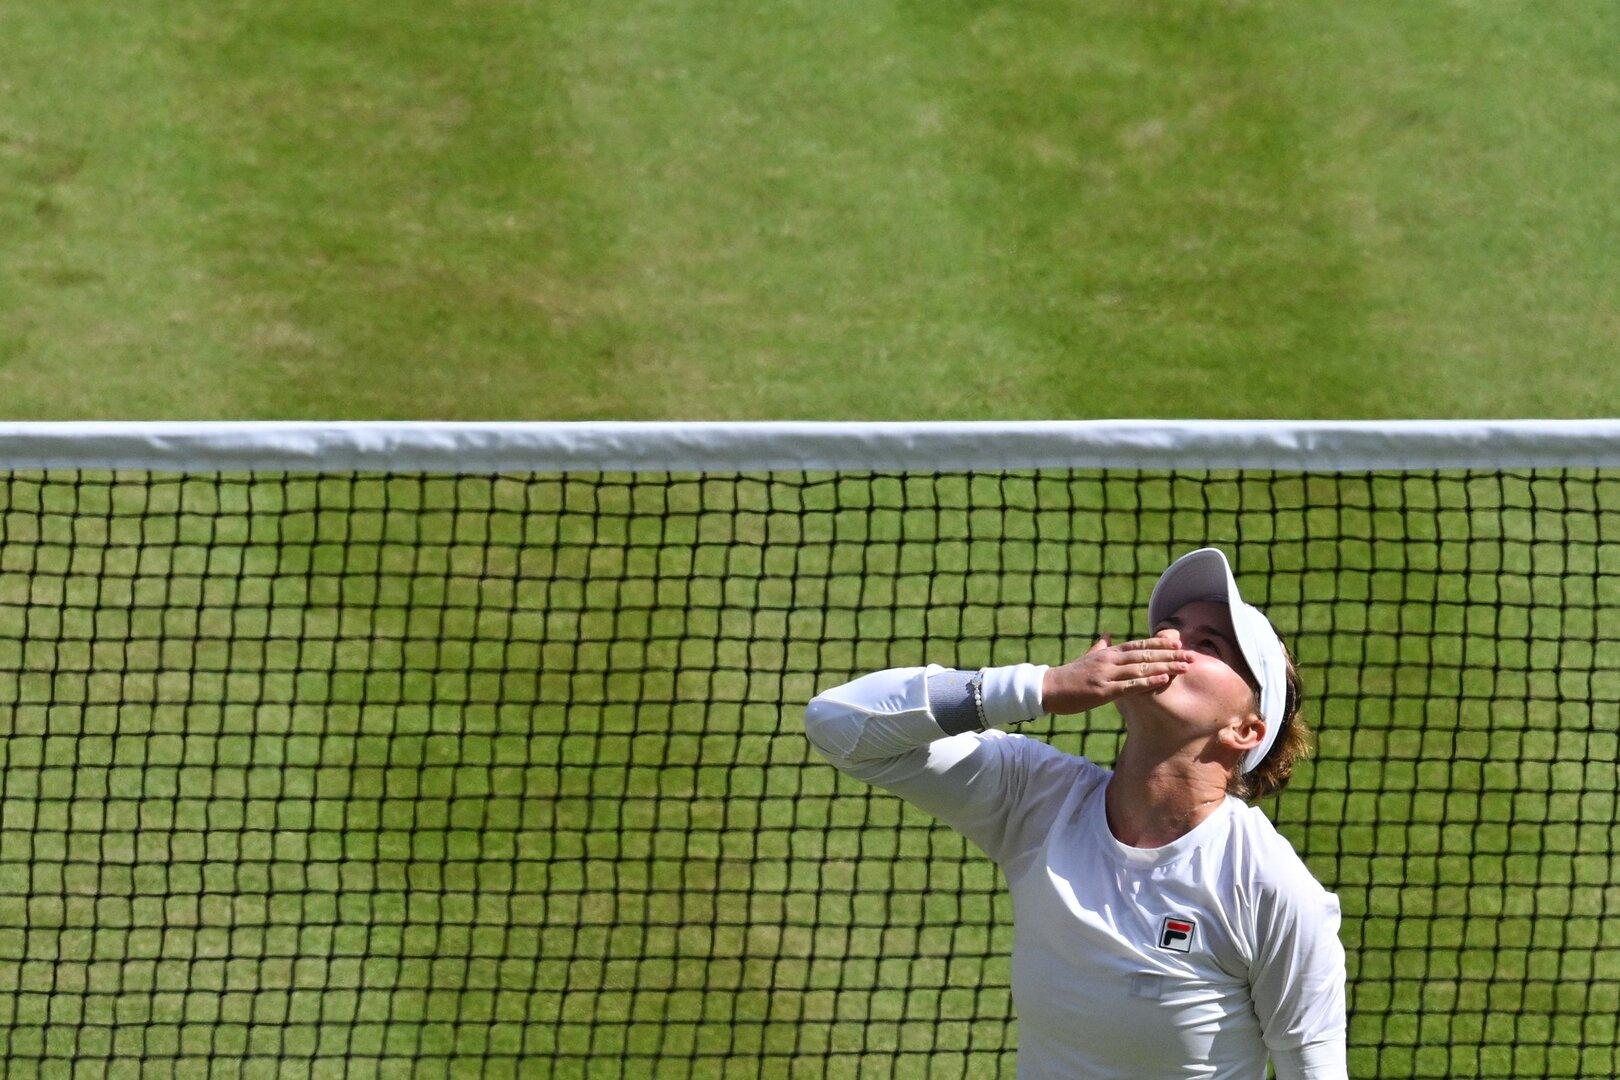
pixel 1176 933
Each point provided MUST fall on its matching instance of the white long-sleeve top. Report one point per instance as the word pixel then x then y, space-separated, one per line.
pixel 1195 959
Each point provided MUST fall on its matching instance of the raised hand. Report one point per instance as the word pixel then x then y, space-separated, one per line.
pixel 1107 672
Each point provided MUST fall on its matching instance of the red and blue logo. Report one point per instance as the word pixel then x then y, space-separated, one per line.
pixel 1176 933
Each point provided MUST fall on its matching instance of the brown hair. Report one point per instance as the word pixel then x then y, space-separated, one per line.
pixel 1294 743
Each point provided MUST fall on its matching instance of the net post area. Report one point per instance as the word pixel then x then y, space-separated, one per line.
pixel 372 749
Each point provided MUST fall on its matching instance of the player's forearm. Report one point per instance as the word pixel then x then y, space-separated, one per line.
pixel 888 713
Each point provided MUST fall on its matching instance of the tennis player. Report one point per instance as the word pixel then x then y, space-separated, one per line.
pixel 1162 926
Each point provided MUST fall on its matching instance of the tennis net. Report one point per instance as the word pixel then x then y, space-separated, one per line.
pixel 478 749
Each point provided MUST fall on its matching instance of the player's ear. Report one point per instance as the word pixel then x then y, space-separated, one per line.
pixel 1246 733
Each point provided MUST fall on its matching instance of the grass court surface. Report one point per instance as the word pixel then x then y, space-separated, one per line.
pixel 517 209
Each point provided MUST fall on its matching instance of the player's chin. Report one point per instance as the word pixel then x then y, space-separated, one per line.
pixel 1171 690
pixel 1176 699
pixel 1172 703
pixel 1161 703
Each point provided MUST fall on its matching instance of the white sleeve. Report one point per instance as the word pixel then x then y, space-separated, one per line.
pixel 1323 1060
pixel 1297 980
pixel 880 730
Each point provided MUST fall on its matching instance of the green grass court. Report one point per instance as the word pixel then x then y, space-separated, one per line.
pixel 496 209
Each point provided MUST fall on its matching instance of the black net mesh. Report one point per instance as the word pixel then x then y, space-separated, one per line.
pixel 506 775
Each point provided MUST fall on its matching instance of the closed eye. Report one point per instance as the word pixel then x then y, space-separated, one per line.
pixel 1219 646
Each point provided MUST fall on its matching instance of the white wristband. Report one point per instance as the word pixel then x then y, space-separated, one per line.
pixel 1012 694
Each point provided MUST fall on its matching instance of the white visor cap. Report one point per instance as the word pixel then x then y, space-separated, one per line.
pixel 1206 575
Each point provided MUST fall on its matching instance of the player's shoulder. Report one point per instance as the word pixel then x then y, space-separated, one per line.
pixel 1059 771
pixel 1041 780
pixel 1046 766
pixel 1265 861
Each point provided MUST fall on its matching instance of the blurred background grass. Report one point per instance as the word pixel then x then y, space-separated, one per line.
pixel 528 209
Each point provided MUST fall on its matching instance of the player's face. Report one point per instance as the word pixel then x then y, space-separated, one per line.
pixel 1215 690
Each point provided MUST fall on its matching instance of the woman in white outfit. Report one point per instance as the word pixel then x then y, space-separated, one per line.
pixel 1162 926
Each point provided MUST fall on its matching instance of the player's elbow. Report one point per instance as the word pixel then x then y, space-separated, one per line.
pixel 832 728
